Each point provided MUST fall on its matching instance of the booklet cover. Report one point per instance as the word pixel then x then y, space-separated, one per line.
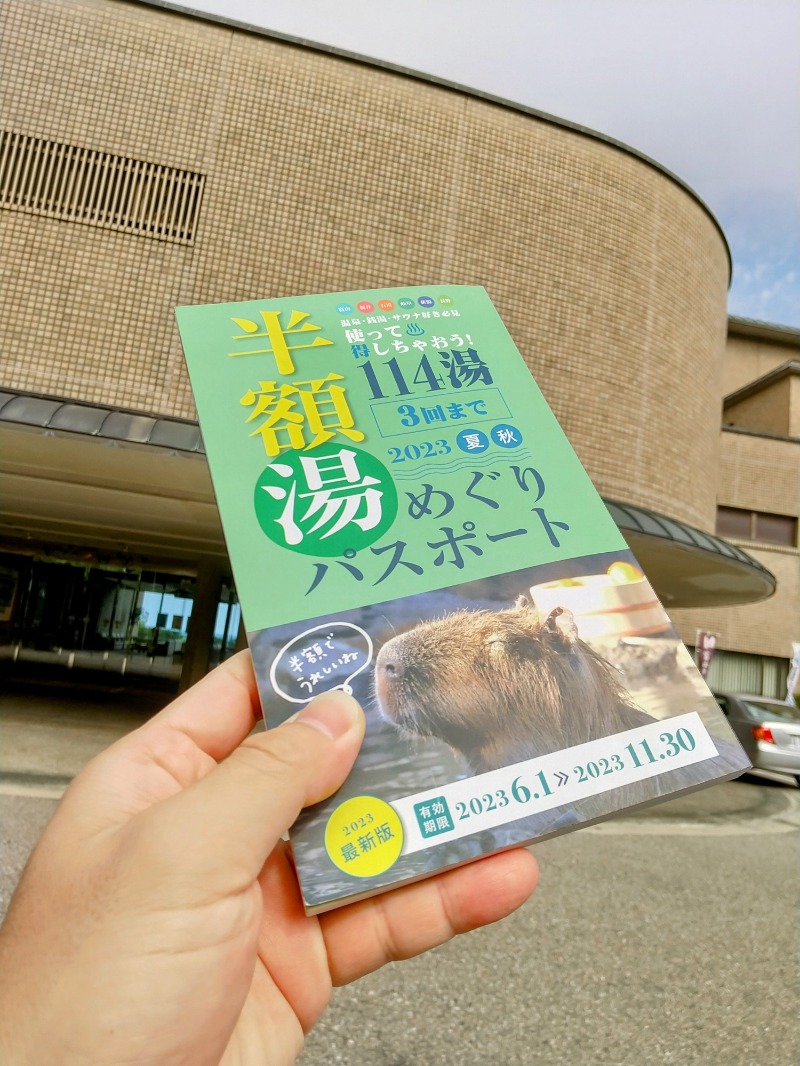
pixel 406 520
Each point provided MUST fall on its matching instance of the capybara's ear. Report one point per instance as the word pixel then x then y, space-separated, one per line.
pixel 561 621
pixel 522 601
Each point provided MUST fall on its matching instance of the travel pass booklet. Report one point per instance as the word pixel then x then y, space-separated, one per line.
pixel 407 521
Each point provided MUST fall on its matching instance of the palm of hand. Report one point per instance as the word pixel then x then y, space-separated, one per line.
pixel 213 926
pixel 159 920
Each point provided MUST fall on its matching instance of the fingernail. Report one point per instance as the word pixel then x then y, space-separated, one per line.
pixel 332 713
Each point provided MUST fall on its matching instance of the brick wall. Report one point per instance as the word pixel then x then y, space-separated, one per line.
pixel 327 174
pixel 757 474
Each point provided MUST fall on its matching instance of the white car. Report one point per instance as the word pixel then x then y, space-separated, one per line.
pixel 768 730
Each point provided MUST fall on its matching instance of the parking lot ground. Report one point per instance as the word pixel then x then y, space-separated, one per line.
pixel 667 937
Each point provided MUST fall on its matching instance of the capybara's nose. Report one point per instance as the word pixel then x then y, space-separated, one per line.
pixel 391 667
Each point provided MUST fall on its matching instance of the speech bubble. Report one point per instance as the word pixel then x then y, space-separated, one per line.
pixel 326 657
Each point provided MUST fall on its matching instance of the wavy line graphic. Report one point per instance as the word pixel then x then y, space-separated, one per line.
pixel 456 464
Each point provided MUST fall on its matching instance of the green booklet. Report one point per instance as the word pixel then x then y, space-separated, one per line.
pixel 407 521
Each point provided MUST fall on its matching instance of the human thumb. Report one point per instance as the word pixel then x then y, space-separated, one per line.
pixel 227 824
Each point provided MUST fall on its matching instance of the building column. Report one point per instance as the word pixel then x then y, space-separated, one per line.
pixel 197 651
pixel 241 637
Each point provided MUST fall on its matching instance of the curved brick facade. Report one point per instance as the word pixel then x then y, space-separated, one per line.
pixel 324 173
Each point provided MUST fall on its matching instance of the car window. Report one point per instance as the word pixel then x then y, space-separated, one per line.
pixel 723 703
pixel 763 712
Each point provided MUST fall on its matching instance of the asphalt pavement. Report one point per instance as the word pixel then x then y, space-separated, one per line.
pixel 48 731
pixel 670 936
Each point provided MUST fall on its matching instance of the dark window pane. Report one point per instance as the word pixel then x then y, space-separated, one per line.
pixel 176 435
pixel 771 711
pixel 124 426
pixel 79 418
pixel 733 522
pixel 32 410
pixel 776 528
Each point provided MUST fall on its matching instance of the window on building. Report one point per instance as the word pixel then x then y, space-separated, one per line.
pixel 776 528
pixel 757 525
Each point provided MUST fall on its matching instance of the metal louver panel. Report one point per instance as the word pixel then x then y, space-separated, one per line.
pixel 45 177
pixel 755 674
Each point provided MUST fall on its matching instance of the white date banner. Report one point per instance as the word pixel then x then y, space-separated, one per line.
pixel 460 808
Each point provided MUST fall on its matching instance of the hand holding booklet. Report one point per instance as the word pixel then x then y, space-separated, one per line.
pixel 407 521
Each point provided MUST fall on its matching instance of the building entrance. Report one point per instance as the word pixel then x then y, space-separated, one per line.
pixel 93 617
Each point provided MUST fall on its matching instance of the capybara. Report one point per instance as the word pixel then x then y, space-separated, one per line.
pixel 501 686
pixel 504 686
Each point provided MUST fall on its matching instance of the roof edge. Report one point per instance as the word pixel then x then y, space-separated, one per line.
pixel 729 427
pixel 57 414
pixel 787 369
pixel 763 331
pixel 638 519
pixel 177 8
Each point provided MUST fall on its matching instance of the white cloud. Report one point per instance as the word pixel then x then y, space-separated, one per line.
pixel 710 89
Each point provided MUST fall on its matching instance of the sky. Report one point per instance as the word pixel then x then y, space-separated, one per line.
pixel 710 89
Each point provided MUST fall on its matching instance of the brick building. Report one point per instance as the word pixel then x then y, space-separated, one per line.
pixel 758 497
pixel 152 158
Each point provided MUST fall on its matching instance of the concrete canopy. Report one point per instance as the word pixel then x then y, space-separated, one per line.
pixel 104 485
pixel 106 498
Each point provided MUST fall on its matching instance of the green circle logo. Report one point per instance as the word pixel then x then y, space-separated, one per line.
pixel 325 502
